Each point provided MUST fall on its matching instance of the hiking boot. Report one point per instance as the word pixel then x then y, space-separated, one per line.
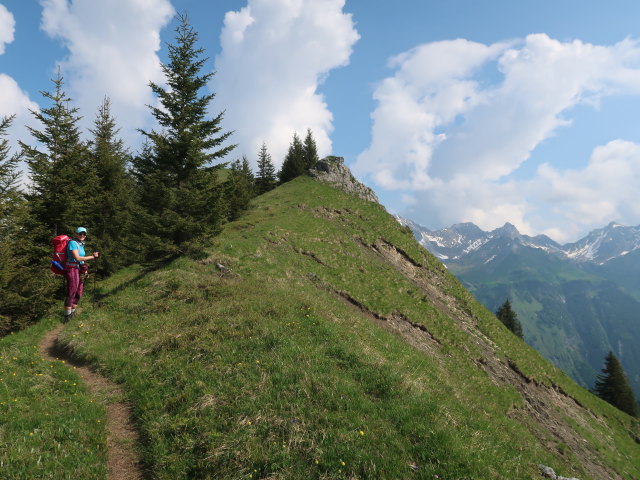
pixel 67 317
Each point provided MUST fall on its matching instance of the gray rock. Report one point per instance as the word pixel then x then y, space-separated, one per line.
pixel 548 472
pixel 333 171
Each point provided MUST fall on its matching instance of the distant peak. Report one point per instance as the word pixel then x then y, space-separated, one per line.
pixel 465 226
pixel 508 229
pixel 467 230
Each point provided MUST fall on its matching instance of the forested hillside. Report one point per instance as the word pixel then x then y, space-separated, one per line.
pixel 150 205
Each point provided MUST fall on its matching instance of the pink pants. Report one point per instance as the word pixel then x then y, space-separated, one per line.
pixel 74 286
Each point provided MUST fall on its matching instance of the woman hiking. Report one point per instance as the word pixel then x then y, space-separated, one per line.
pixel 73 269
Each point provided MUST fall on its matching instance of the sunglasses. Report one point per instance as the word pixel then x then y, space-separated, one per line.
pixel 82 233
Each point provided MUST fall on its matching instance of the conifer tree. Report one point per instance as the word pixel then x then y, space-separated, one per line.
pixel 62 178
pixel 63 181
pixel 613 387
pixel 266 176
pixel 114 195
pixel 509 318
pixel 10 199
pixel 9 174
pixel 181 191
pixel 23 290
pixel 310 151
pixel 239 187
pixel 294 163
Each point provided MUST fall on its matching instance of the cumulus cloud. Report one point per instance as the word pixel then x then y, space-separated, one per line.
pixel 13 100
pixel 457 118
pixel 113 47
pixel 605 189
pixel 275 54
pixel 7 27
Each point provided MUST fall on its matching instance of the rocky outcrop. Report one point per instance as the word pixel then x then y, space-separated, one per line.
pixel 333 171
pixel 548 472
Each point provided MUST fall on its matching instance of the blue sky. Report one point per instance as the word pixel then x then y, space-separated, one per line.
pixel 527 111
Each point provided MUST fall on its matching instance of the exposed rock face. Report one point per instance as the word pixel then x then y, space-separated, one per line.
pixel 332 170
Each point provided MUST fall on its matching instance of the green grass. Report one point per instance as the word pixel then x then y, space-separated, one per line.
pixel 51 427
pixel 266 372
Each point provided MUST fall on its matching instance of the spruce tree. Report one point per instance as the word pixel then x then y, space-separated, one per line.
pixel 9 175
pixel 509 318
pixel 63 180
pixel 294 162
pixel 24 290
pixel 266 176
pixel 310 151
pixel 181 191
pixel 61 173
pixel 613 387
pixel 113 199
pixel 10 200
pixel 239 188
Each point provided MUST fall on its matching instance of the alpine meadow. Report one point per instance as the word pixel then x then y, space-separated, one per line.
pixel 277 324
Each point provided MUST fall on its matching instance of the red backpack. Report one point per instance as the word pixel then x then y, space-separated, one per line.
pixel 59 258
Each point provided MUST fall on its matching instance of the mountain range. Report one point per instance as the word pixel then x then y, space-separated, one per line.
pixel 575 301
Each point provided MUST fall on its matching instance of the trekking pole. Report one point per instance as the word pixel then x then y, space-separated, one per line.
pixel 95 274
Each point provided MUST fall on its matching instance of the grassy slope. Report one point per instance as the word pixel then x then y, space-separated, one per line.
pixel 50 427
pixel 266 372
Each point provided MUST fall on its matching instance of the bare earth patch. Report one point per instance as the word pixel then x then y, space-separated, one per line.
pixel 123 461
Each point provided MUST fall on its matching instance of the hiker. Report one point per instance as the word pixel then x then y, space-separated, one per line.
pixel 74 267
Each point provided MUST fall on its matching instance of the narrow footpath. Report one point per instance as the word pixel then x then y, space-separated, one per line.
pixel 123 462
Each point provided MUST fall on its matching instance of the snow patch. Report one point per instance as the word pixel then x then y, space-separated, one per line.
pixel 491 258
pixel 474 246
pixel 429 238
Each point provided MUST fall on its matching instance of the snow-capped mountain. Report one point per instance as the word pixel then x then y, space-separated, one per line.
pixel 605 244
pixel 464 239
pixel 576 302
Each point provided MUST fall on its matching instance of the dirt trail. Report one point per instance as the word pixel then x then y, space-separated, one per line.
pixel 123 461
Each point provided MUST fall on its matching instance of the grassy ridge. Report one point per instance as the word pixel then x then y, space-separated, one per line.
pixel 267 372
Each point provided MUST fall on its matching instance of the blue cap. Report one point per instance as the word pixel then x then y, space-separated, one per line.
pixel 81 229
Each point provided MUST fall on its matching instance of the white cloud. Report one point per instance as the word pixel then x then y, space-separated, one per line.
pixel 431 88
pixel 113 47
pixel 7 27
pixel 458 117
pixel 15 101
pixel 275 54
pixel 605 189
